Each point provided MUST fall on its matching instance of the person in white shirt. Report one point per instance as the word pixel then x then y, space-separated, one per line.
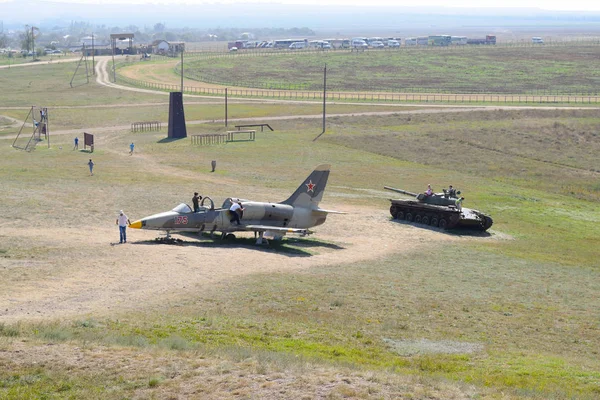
pixel 234 210
pixel 122 221
pixel 428 192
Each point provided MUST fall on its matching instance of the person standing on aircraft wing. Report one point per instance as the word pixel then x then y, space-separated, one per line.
pixel 195 201
pixel 234 211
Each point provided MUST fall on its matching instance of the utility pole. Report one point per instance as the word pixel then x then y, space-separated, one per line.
pixel 113 45
pixel 182 70
pixel 93 52
pixel 324 94
pixel 324 101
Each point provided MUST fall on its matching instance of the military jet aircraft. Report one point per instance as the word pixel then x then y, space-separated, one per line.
pixel 295 215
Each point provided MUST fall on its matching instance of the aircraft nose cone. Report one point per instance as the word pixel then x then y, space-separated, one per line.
pixel 136 225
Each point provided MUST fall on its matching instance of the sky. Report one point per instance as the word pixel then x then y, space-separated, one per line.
pixel 562 5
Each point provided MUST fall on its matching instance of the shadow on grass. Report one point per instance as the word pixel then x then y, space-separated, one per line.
pixel 169 140
pixel 89 151
pixel 451 232
pixel 292 247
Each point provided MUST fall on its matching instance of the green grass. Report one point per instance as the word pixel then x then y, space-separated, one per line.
pixel 48 85
pixel 537 70
pixel 531 320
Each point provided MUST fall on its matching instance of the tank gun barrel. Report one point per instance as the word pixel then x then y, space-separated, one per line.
pixel 400 191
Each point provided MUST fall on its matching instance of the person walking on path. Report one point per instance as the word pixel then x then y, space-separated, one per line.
pixel 91 165
pixel 76 147
pixel 131 146
pixel 122 221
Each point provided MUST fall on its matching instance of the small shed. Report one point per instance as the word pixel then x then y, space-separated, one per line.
pixel 167 48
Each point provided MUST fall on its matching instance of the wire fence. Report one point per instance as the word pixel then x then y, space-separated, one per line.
pixel 366 97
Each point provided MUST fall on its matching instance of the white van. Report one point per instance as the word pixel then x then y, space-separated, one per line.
pixel 297 45
pixel 359 44
pixel 537 39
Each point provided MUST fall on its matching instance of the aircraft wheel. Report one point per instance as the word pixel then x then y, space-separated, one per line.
pixel 418 218
pixel 443 223
pixel 425 220
pixel 409 217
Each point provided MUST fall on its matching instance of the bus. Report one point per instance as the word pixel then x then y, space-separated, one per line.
pixel 410 41
pixel 286 43
pixel 439 40
pixel 339 43
pixel 374 39
pixel 458 40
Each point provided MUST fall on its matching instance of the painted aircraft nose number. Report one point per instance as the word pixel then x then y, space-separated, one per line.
pixel 181 220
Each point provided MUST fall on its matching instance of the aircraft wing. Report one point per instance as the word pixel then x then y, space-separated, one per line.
pixel 264 228
pixel 329 211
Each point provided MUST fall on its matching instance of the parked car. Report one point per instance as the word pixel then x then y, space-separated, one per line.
pixel 233 49
pixel 393 43
pixel 377 45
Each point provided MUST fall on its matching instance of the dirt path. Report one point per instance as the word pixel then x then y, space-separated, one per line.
pixel 101 278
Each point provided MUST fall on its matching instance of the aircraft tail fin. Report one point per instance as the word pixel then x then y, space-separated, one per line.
pixel 310 192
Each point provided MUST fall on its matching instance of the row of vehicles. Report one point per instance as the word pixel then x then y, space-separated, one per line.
pixel 362 42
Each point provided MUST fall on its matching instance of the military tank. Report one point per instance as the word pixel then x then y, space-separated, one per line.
pixel 437 209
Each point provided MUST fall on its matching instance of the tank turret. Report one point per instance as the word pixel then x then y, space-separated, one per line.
pixel 442 210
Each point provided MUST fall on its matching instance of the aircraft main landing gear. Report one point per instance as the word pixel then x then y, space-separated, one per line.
pixel 261 239
pixel 168 239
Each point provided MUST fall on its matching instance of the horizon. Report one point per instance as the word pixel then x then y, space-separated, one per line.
pixel 460 5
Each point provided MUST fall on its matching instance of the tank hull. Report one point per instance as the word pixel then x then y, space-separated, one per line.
pixel 444 217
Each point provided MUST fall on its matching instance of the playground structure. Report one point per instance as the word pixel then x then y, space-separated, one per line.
pixel 220 138
pixel 40 128
pixel 231 136
pixel 146 126
pixel 262 126
pixel 209 138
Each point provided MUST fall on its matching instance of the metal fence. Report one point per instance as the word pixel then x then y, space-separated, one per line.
pixel 368 97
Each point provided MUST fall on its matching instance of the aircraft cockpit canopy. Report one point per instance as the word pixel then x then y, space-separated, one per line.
pixel 182 209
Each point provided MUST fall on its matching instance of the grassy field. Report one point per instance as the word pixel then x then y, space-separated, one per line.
pixel 442 316
pixel 537 70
